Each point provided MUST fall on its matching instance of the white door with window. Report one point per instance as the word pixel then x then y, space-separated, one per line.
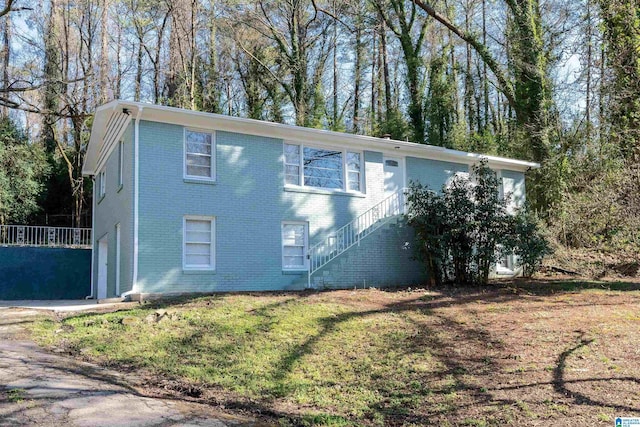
pixel 393 182
pixel 393 175
pixel 103 250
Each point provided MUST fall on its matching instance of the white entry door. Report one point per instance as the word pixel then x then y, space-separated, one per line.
pixel 103 250
pixel 393 175
pixel 393 182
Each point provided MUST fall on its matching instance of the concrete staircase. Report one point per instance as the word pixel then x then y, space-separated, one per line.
pixel 383 259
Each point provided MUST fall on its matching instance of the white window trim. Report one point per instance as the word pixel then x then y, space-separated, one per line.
pixel 212 260
pixel 211 178
pixel 345 172
pixel 120 163
pixel 306 246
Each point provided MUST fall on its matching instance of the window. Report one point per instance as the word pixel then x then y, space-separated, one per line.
pixel 120 162
pixel 505 264
pixel 507 190
pixel 353 171
pixel 294 246
pixel 102 184
pixel 199 155
pixel 322 168
pixel 292 164
pixel 199 243
pixel 458 175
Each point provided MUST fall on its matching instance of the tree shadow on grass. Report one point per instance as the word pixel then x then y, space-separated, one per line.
pixel 452 365
pixel 458 372
pixel 545 287
pixel 460 368
pixel 560 383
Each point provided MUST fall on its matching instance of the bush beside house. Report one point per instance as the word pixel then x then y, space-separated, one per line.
pixel 468 226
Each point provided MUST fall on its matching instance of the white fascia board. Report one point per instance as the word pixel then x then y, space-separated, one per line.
pixel 212 121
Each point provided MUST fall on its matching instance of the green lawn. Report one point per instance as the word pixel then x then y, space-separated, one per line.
pixel 500 357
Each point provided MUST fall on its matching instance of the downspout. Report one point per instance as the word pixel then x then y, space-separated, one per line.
pixel 136 175
pixel 93 229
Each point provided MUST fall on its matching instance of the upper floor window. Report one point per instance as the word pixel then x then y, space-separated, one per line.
pixel 120 162
pixel 102 184
pixel 507 191
pixel 199 155
pixel 459 175
pixel 322 168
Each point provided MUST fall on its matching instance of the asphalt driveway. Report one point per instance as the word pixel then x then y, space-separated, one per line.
pixel 41 388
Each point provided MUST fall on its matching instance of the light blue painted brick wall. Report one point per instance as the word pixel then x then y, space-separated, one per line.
pixel 117 207
pixel 249 204
pixel 433 173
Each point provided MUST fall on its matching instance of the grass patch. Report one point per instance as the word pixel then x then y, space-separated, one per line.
pixel 16 395
pixel 370 357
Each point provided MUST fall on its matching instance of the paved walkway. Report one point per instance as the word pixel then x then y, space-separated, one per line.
pixel 62 305
pixel 39 388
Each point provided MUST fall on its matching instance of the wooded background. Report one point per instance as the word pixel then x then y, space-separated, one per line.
pixel 552 81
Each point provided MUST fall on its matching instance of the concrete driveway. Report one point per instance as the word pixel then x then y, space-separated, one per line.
pixel 62 305
pixel 40 388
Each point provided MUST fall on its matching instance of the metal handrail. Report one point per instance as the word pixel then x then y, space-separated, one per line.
pixel 45 236
pixel 351 234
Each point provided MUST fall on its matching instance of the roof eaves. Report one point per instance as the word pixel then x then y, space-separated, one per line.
pixel 184 117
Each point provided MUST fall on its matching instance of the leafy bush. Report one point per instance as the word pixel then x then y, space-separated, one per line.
pixel 531 245
pixel 463 231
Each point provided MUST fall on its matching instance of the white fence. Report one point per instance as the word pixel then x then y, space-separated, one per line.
pixel 52 237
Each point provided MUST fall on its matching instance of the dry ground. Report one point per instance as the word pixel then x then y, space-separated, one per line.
pixel 541 353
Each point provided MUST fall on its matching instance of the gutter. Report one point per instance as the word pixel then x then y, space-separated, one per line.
pixel 136 192
pixel 93 229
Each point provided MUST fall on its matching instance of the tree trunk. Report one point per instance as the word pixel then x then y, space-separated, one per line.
pixel 6 58
pixel 104 53
pixel 357 71
pixel 385 69
pixel 52 75
pixel 335 108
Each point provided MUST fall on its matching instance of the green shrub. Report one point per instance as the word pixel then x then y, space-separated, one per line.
pixel 531 245
pixel 465 229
